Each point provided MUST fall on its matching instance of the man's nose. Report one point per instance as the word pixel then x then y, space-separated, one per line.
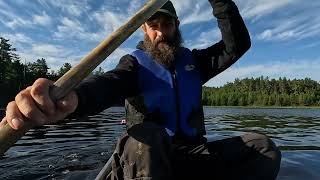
pixel 162 31
pixel 159 33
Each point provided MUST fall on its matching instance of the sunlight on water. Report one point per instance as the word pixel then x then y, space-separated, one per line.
pixel 78 149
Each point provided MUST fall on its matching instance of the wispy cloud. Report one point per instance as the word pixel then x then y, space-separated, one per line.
pixel 72 29
pixel 290 69
pixel 310 45
pixel 110 20
pixel 255 9
pixel 74 8
pixel 192 11
pixel 297 27
pixel 69 28
pixel 12 20
pixel 18 39
pixel 106 19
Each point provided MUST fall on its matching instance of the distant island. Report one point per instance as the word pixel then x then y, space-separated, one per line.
pixel 262 91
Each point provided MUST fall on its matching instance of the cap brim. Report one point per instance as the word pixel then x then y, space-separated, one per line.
pixel 168 12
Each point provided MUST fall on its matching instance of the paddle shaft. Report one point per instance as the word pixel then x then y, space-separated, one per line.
pixel 75 75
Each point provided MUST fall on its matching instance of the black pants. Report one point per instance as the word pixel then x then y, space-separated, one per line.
pixel 146 152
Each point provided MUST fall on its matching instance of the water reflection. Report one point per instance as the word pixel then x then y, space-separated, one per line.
pixel 77 149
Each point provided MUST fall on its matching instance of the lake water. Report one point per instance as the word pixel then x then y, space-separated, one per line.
pixel 78 149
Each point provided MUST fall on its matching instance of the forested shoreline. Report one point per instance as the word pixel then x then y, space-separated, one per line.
pixel 16 75
pixel 263 91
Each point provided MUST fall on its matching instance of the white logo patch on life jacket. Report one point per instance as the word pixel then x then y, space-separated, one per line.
pixel 189 67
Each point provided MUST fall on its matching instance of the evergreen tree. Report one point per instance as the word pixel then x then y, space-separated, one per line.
pixel 65 68
pixel 7 55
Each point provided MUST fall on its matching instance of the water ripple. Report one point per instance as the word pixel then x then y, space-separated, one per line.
pixel 77 149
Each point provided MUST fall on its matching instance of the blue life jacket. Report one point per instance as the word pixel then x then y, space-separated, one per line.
pixel 175 97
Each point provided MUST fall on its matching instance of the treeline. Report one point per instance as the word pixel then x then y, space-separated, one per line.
pixel 263 91
pixel 16 75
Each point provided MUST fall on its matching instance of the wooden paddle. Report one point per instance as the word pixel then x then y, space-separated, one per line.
pixel 72 78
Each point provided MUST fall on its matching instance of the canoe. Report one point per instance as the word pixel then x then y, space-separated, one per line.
pixel 105 173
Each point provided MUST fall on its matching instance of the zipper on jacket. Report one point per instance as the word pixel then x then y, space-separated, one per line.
pixel 176 91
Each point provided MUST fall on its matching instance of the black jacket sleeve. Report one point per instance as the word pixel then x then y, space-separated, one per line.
pixel 101 92
pixel 235 41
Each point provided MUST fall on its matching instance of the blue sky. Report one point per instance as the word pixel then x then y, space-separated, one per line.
pixel 285 33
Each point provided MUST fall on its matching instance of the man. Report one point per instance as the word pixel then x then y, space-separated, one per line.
pixel 161 83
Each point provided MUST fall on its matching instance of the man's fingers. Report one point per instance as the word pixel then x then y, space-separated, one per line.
pixel 13 116
pixel 68 104
pixel 28 108
pixel 40 94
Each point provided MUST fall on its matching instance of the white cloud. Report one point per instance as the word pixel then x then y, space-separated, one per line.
pixel 290 69
pixel 43 50
pixel 17 39
pixel 54 63
pixel 198 15
pixel 114 58
pixel 205 39
pixel 55 55
pixel 181 6
pixel 134 6
pixel 267 34
pixel 43 19
pixel 110 21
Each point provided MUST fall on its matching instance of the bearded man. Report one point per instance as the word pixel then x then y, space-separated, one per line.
pixel 161 83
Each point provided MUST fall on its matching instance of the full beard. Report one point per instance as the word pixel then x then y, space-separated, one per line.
pixel 164 50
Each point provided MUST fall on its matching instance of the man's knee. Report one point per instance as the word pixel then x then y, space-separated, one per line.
pixel 142 147
pixel 263 144
pixel 150 134
pixel 268 153
pixel 145 138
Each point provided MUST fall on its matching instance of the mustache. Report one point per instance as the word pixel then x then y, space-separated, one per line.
pixel 164 40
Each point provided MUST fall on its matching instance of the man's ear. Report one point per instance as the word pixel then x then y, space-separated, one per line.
pixel 177 23
pixel 144 28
